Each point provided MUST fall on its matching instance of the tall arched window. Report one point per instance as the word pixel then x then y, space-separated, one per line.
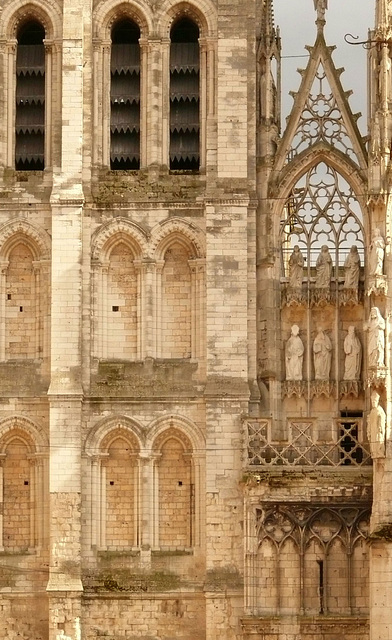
pixel 30 98
pixel 23 485
pixel 122 316
pixel 184 96
pixel 176 303
pixel 20 306
pixel 175 491
pixel 121 493
pixel 125 96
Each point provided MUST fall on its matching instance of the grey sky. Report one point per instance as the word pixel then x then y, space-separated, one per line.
pixel 296 19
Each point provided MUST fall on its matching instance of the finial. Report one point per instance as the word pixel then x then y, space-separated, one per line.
pixel 321 6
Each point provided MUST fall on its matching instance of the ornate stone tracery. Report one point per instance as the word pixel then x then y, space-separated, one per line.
pixel 322 210
pixel 322 239
pixel 307 542
pixel 321 120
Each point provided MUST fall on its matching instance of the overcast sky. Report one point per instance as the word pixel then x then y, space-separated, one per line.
pixel 296 19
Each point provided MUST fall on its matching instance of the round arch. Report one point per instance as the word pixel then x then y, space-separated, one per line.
pixel 17 12
pixel 22 427
pixel 203 14
pixel 120 425
pixel 108 13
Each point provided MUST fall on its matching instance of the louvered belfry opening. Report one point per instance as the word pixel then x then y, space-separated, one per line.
pixel 125 97
pixel 30 98
pixel 184 96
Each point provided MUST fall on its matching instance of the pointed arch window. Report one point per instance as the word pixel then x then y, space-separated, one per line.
pixel 125 96
pixel 184 96
pixel 322 210
pixel 30 98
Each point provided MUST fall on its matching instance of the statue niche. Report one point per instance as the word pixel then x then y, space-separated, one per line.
pixel 352 364
pixel 322 355
pixel 376 425
pixel 352 267
pixel 377 282
pixel 353 353
pixel 293 293
pixel 322 286
pixel 375 328
pixel 294 356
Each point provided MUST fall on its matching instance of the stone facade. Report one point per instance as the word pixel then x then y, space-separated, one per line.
pixel 194 362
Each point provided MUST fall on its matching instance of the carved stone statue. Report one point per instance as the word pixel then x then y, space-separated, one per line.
pixel 376 338
pixel 353 351
pixel 352 266
pixel 322 355
pixel 323 268
pixel 376 254
pixel 321 6
pixel 296 268
pixel 376 424
pixel 294 355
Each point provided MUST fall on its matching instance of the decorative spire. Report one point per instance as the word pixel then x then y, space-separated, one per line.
pixel 321 6
pixel 267 19
pixel 383 16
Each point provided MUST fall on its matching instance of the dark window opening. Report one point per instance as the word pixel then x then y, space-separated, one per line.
pixel 321 585
pixel 30 98
pixel 125 97
pixel 184 96
pixel 349 438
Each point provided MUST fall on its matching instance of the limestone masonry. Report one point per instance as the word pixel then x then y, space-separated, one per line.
pixel 195 303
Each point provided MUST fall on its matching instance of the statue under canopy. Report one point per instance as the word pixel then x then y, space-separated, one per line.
pixel 376 254
pixel 323 268
pixel 376 425
pixel 352 267
pixel 376 338
pixel 294 355
pixel 322 355
pixel 296 268
pixel 353 352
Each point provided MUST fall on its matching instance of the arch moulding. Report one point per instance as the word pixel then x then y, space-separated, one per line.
pixel 118 424
pixel 166 232
pixel 189 429
pixel 23 231
pixel 107 13
pixel 15 12
pixel 203 14
pixel 292 172
pixel 109 234
pixel 19 423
